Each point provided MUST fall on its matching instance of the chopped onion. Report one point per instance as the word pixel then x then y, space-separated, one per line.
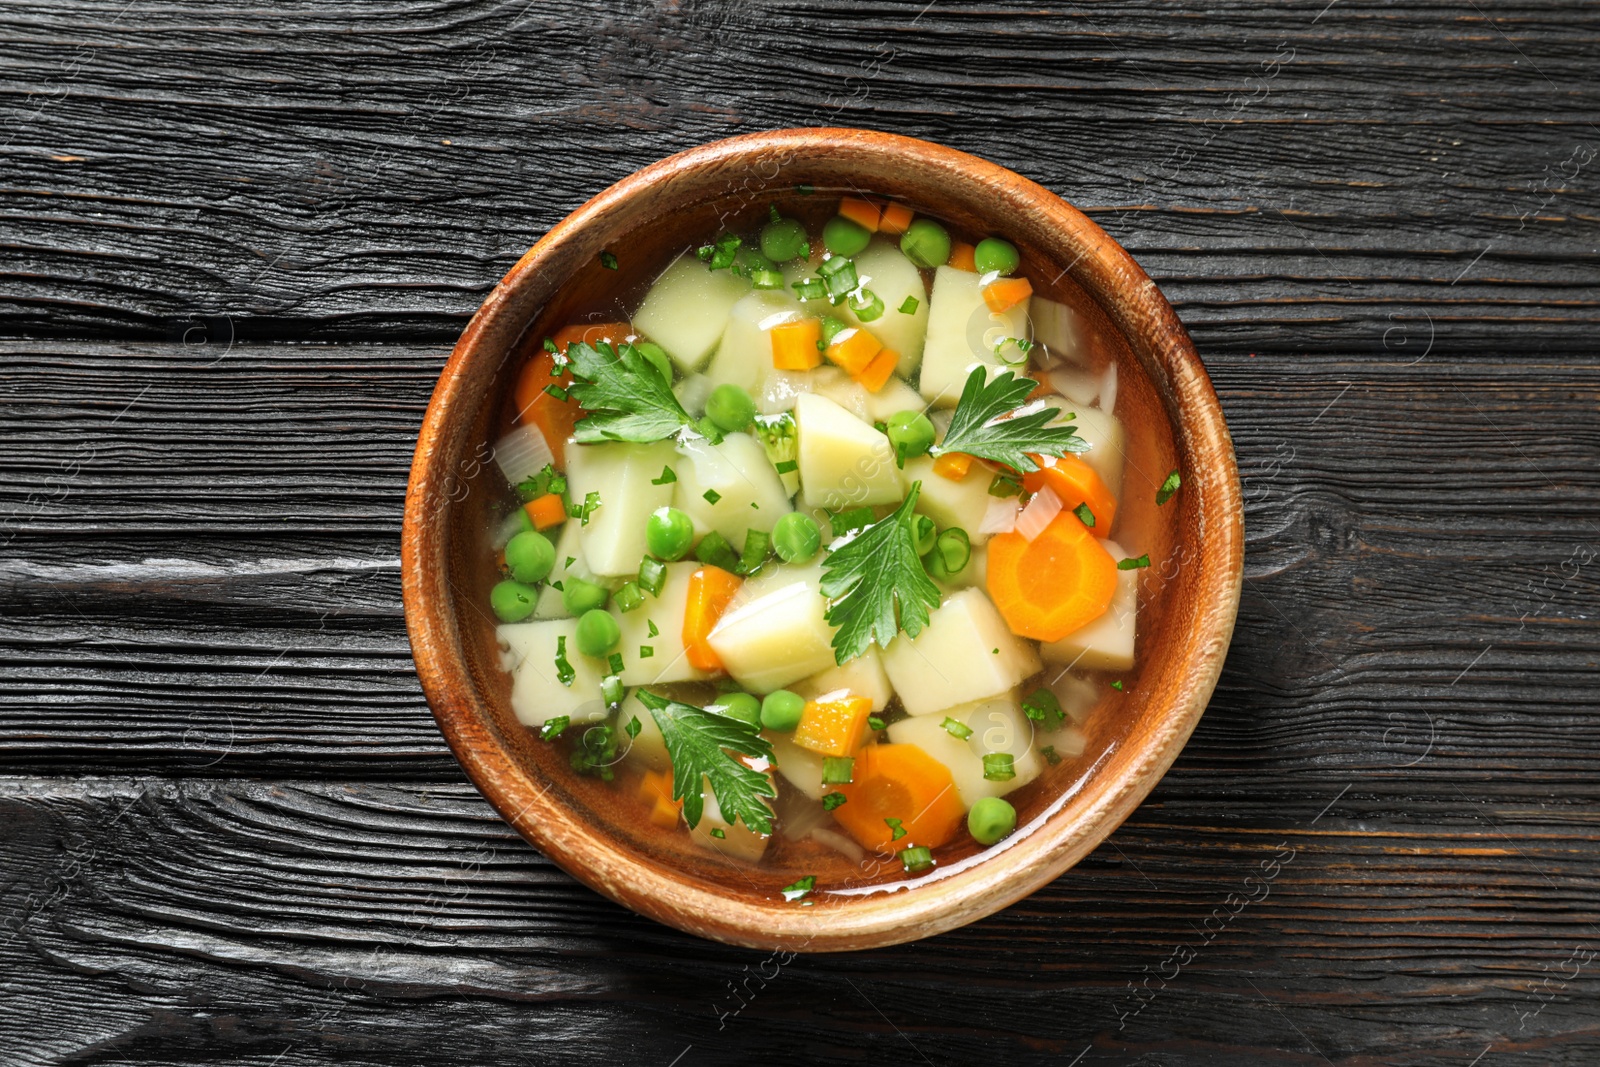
pixel 693 392
pixel 509 527
pixel 1001 516
pixel 522 453
pixel 1039 513
pixel 1108 389
pixel 839 843
pixel 1076 695
pixel 1078 386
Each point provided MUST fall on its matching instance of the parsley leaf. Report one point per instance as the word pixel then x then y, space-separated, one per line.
pixel 878 584
pixel 987 423
pixel 700 743
pixel 625 395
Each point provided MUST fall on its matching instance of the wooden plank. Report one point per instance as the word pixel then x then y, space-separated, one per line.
pixel 1306 176
pixel 385 920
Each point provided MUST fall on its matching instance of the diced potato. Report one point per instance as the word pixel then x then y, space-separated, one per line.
pixel 613 541
pixel 997 725
pixel 693 392
pixel 738 841
pixel 1070 742
pixel 774 632
pixel 861 677
pixel 965 653
pixel 568 546
pixel 686 309
pixel 668 661
pixel 1103 431
pixel 1106 644
pixel 884 269
pixel 844 462
pixel 780 389
pixel 528 651
pixel 895 396
pixel 649 749
pixel 832 382
pixel 948 502
pixel 801 767
pixel 744 354
pixel 749 492
pixel 1057 327
pixel 963 333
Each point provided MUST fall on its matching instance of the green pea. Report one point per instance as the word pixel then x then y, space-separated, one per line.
pixel 669 533
pixel 925 533
pixel 580 596
pixel 513 601
pixel 598 633
pixel 911 433
pixel 658 358
pixel 994 256
pixel 730 408
pixel 951 553
pixel 796 538
pixel 783 240
pixel 991 819
pixel 781 710
pixel 844 237
pixel 926 243
pixel 530 556
pixel 741 706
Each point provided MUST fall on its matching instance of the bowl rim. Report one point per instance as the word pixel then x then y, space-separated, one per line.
pixel 880 919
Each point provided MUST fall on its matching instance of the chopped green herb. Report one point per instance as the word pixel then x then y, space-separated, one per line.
pixel 553 728
pixel 715 550
pixel 772 213
pixel 725 251
pixel 1084 515
pixel 550 346
pixel 805 189
pixel 810 289
pixel 877 584
pixel 1168 487
pixel 1117 685
pixel 1043 708
pixel 1003 485
pixel 564 672
pixel 785 466
pixel 596 753
pixel 799 888
pixel 838 770
pixel 612 690
pixel 867 305
pixel 628 598
pixel 652 575
pixel 608 261
pixel 916 859
pixel 717 832
pixel 832 800
pixel 990 422
pixel 633 727
pixel 875 723
pixel 712 496
pixel 614 662
pixel 703 747
pixel 909 305
pixel 668 476
pixel 557 392
pixel 956 729
pixel 757 546
pixel 651 631
pixel 1134 564
pixel 546 481
pixel 591 501
pixel 645 652
pixel 899 831
pixel 845 520
pixel 570 561
pixel 999 767
pixel 840 278
pixel 1051 756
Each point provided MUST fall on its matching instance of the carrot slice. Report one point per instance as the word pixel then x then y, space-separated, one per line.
pixel 1055 584
pixel 953 465
pixel 546 511
pixel 710 590
pixel 904 783
pixel 833 727
pixel 896 219
pixel 853 349
pixel 877 372
pixel 864 212
pixel 794 344
pixel 555 418
pixel 1005 293
pixel 1074 482
pixel 963 256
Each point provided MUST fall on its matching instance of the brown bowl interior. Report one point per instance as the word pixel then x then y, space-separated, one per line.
pixel 1188 597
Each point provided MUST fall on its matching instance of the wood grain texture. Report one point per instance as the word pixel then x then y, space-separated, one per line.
pixel 231 834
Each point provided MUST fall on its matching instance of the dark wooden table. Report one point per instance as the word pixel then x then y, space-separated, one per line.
pixel 236 245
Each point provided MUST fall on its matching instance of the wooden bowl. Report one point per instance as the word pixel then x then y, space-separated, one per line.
pixel 1189 597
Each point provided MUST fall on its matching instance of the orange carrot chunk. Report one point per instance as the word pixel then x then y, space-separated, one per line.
pixel 953 465
pixel 1074 482
pixel 555 418
pixel 896 219
pixel 963 256
pixel 1005 293
pixel 864 212
pixel 904 783
pixel 853 349
pixel 655 789
pixel 794 344
pixel 833 727
pixel 1055 584
pixel 878 372
pixel 546 511
pixel 710 590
